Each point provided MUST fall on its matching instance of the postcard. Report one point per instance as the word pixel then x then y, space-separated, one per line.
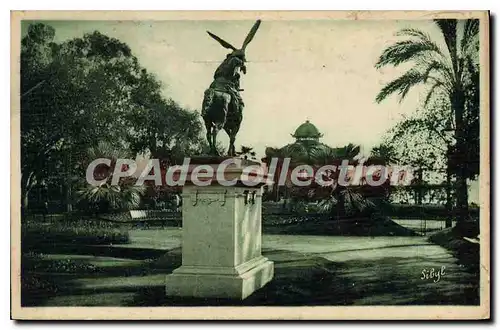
pixel 181 165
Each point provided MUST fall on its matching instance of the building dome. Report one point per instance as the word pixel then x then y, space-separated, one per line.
pixel 307 131
pixel 305 148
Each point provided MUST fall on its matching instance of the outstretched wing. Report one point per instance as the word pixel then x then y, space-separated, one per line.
pixel 250 35
pixel 224 44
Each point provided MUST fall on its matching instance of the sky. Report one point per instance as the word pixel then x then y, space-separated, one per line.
pixel 317 70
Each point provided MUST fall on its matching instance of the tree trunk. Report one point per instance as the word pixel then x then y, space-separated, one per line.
pixel 458 105
pixel 419 192
pixel 25 199
pixel 69 201
pixel 462 196
pixel 449 206
pixel 26 185
pixel 69 193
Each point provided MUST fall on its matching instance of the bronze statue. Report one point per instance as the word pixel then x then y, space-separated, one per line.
pixel 222 103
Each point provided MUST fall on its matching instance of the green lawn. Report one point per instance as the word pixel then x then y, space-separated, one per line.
pixel 309 270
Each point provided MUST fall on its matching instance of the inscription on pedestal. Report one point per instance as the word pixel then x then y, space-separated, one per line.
pixel 209 198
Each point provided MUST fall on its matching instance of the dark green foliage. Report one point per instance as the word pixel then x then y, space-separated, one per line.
pixel 338 200
pixel 35 262
pixel 35 234
pixel 37 284
pixel 88 90
pixel 384 153
pixel 106 197
pixel 407 211
pixel 319 224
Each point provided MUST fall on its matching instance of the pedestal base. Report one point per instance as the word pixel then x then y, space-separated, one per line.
pixel 222 238
pixel 220 282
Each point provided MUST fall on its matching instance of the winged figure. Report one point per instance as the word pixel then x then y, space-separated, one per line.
pixel 222 106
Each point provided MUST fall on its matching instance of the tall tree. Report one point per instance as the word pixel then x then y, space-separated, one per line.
pixel 88 90
pixel 72 96
pixel 446 71
pixel 160 125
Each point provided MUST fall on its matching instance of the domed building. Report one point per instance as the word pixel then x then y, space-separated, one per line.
pixel 307 132
pixel 308 149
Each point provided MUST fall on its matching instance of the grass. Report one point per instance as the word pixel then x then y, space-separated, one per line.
pixel 35 284
pixel 309 270
pixel 40 235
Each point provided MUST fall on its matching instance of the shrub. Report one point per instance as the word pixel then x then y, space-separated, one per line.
pixel 412 211
pixel 82 231
pixel 107 198
pixel 35 262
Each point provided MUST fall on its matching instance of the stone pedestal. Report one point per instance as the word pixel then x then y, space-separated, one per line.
pixel 221 241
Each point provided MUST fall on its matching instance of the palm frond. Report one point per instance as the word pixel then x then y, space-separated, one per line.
pixel 440 67
pixel 348 151
pixel 401 85
pixel 354 201
pixel 245 149
pixel 297 151
pixel 117 197
pixel 275 152
pixel 422 37
pixel 471 31
pixel 105 149
pixel 431 91
pixel 448 28
pixel 323 156
pixel 413 33
pixel 326 205
pixel 406 50
pixel 409 126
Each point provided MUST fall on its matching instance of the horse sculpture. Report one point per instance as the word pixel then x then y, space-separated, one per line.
pixel 222 106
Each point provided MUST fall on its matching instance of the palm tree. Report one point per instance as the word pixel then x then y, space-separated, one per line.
pixel 324 156
pixel 297 152
pixel 342 200
pixel 105 197
pixel 446 71
pixel 246 152
pixel 349 151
